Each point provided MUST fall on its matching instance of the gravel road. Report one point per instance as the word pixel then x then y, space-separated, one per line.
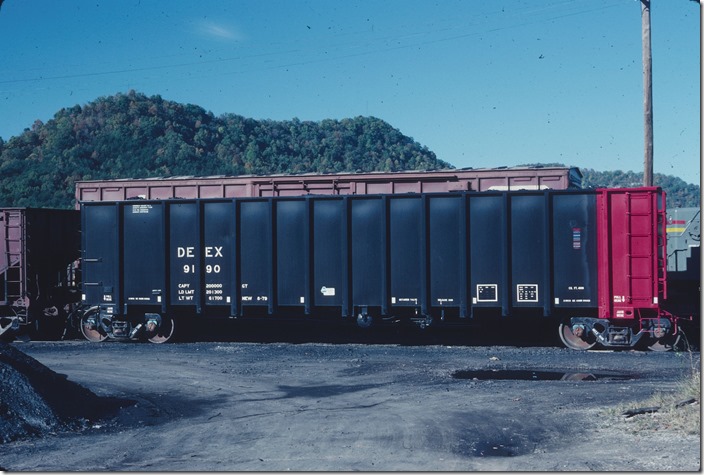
pixel 241 406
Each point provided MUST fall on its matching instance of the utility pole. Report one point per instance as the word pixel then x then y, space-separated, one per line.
pixel 647 94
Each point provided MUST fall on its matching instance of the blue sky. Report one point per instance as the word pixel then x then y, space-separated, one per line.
pixel 481 83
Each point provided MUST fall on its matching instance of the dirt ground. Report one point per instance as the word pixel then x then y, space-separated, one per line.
pixel 277 406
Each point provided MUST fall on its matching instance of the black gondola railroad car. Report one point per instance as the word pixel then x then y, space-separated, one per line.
pixel 592 260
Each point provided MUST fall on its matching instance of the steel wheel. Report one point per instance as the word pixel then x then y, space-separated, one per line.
pixel 575 342
pixel 7 334
pixel 90 327
pixel 666 343
pixel 364 320
pixel 163 332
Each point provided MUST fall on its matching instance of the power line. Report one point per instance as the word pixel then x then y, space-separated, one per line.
pixel 373 49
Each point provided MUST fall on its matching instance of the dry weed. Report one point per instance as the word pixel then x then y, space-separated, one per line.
pixel 678 410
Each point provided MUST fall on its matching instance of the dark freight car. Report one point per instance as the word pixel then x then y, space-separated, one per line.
pixel 37 276
pixel 591 260
pixel 468 179
pixel 684 260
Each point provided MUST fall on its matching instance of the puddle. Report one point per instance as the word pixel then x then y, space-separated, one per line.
pixel 488 449
pixel 537 375
pixel 484 441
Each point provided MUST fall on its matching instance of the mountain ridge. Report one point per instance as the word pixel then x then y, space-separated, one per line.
pixel 134 136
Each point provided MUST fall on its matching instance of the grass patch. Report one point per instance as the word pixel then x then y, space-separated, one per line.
pixel 677 410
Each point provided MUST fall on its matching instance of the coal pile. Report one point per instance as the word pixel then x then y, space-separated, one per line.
pixel 36 401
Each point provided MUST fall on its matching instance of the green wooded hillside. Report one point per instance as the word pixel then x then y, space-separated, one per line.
pixel 135 136
pixel 680 194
